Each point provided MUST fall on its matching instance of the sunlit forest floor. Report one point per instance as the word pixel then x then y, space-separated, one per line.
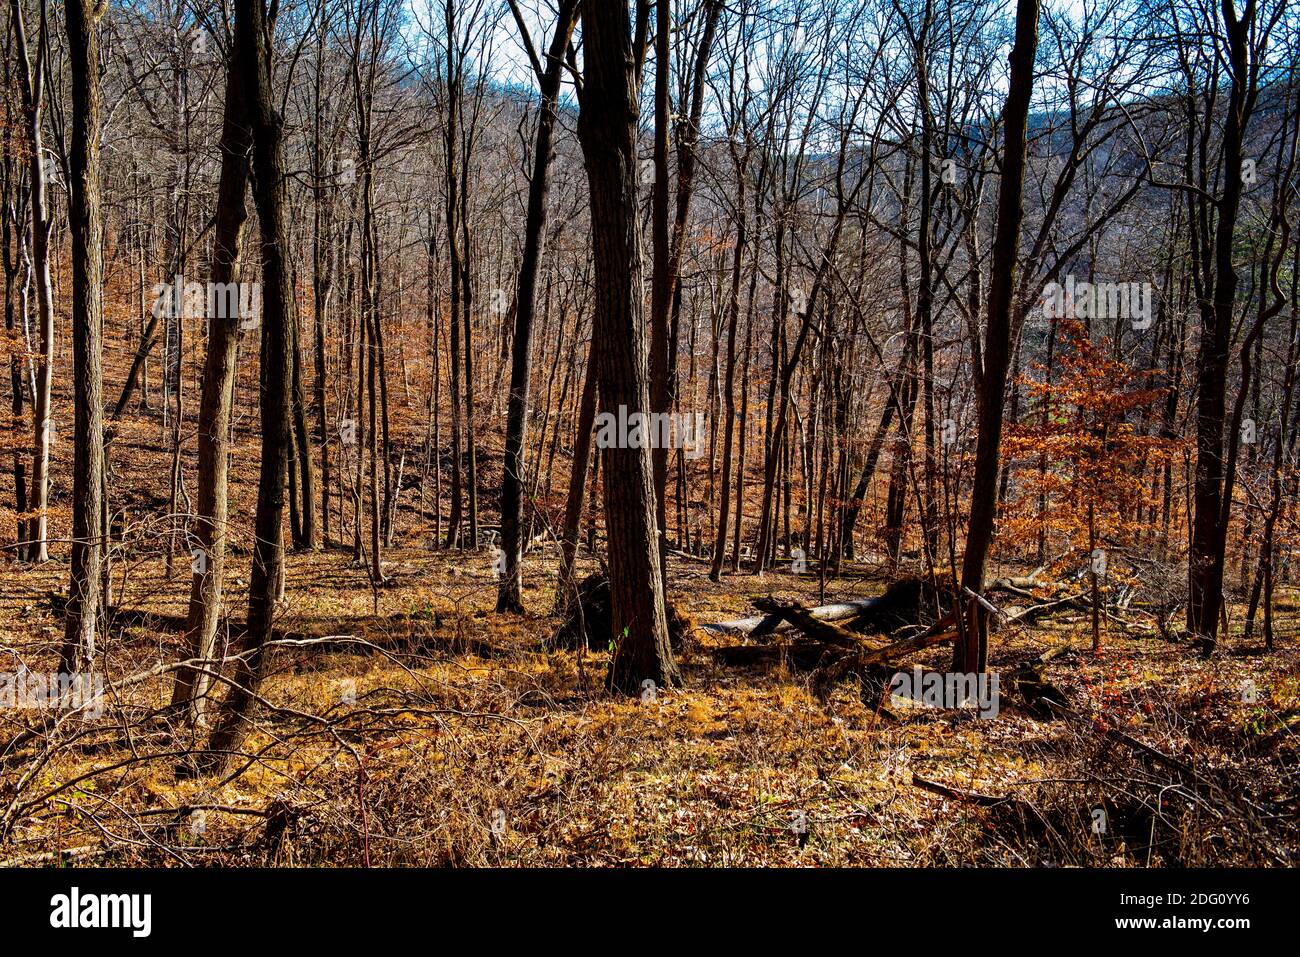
pixel 419 727
pixel 458 740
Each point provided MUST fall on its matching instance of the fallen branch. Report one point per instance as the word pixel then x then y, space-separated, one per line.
pixel 956 794
pixel 50 857
pixel 1031 614
pixel 759 625
pixel 1147 751
pixel 898 649
pixel 808 623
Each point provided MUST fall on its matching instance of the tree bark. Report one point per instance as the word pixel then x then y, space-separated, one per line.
pixel 607 127
pixel 210 521
pixel 253 60
pixel 85 220
pixel 970 650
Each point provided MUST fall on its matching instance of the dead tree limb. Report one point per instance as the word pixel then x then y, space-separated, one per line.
pixel 956 794
pixel 809 623
pixel 759 625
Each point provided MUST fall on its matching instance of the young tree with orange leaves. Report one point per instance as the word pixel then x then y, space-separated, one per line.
pixel 1090 499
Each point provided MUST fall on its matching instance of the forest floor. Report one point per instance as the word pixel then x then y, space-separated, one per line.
pixel 430 730
pixel 460 740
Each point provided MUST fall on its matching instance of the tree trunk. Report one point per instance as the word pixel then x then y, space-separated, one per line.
pixel 86 224
pixel 661 290
pixel 577 482
pixel 729 379
pixel 455 516
pixel 253 60
pixel 31 77
pixel 512 478
pixel 322 284
pixel 1209 529
pixel 11 246
pixel 210 521
pixel 970 650
pixel 607 128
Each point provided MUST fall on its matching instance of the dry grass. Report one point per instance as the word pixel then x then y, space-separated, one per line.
pixel 464 742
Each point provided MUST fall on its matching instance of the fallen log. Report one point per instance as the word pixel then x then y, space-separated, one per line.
pixel 812 626
pixel 1054 652
pixel 881 606
pixel 1023 586
pixel 905 602
pixel 849 652
pixel 56 857
pixel 1031 614
pixel 759 625
pixel 941 632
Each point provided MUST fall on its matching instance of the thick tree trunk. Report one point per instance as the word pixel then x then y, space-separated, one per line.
pixel 607 128
pixel 1209 525
pixel 662 280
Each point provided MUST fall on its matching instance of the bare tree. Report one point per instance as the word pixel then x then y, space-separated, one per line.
pixel 85 219
pixel 1243 38
pixel 970 651
pixel 210 530
pixel 253 60
pixel 607 128
pixel 549 75
pixel 31 75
